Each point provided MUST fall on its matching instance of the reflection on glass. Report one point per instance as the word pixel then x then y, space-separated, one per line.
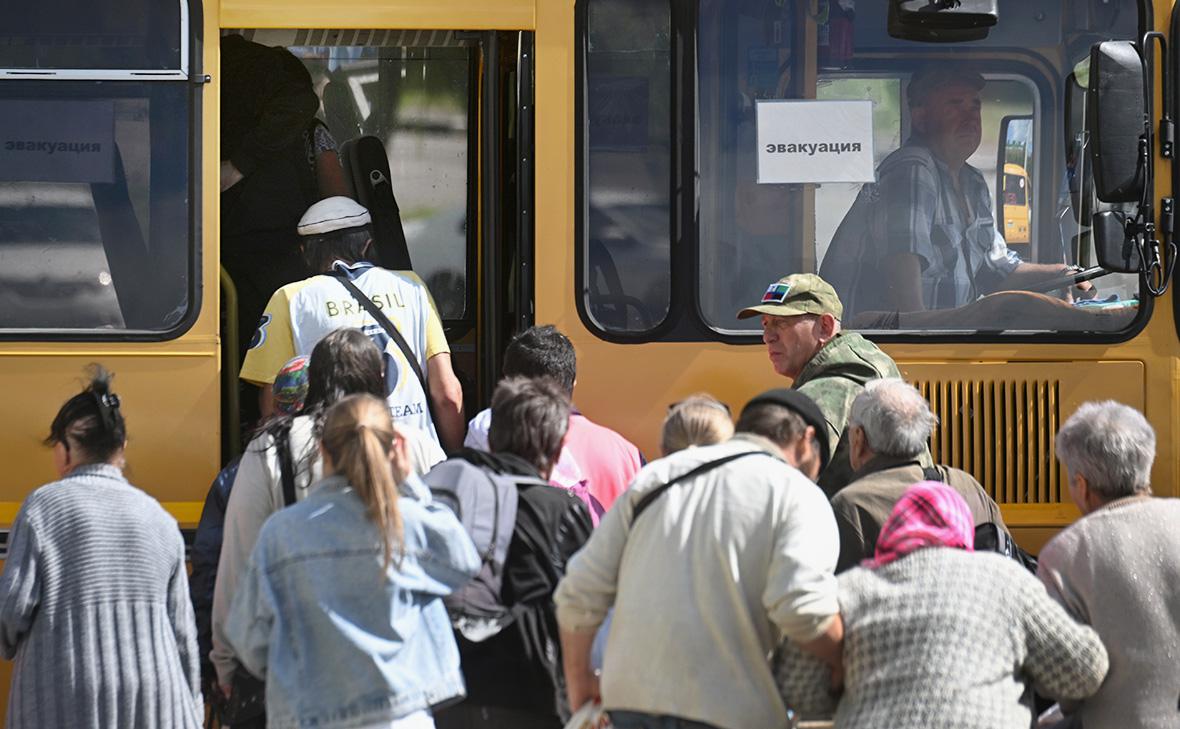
pixel 921 247
pixel 94 218
pixel 975 210
pixel 141 35
pixel 749 234
pixel 627 246
pixel 416 101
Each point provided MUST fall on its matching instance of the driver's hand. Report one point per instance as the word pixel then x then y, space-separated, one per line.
pixel 1084 290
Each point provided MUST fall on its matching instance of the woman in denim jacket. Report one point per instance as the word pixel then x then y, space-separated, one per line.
pixel 340 610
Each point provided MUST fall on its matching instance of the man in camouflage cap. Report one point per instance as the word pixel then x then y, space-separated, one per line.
pixel 801 328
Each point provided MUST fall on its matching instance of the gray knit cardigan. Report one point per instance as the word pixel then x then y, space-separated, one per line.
pixel 94 606
pixel 946 639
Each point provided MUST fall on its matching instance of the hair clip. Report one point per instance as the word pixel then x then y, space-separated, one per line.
pixel 108 403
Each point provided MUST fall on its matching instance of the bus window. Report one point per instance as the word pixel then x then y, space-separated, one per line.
pixel 47 35
pixel 746 55
pixel 626 213
pixel 832 147
pixel 96 231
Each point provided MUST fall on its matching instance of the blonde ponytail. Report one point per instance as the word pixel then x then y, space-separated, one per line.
pixel 358 435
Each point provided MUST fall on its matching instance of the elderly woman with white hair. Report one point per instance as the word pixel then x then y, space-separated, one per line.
pixel 1118 568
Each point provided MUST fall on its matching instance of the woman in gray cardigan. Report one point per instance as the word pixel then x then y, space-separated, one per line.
pixel 94 601
pixel 936 636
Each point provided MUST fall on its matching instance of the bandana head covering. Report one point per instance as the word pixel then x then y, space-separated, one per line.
pixel 929 514
pixel 290 387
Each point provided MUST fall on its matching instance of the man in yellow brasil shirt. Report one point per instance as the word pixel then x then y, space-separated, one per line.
pixel 336 239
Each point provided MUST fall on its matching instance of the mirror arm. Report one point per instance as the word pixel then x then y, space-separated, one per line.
pixel 1167 130
pixel 1156 269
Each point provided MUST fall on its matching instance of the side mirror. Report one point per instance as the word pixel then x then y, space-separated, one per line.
pixel 942 21
pixel 1116 114
pixel 1116 251
pixel 1014 180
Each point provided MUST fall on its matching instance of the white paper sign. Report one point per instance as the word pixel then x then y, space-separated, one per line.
pixel 57 141
pixel 815 141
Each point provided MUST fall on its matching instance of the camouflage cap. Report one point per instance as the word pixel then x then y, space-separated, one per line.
pixel 799 293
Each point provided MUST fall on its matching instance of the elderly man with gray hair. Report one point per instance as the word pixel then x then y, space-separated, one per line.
pixel 889 426
pixel 1118 568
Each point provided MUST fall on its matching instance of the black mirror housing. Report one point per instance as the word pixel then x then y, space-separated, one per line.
pixel 1116 251
pixel 1116 113
pixel 940 21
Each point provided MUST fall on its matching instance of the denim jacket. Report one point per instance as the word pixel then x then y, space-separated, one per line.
pixel 338 641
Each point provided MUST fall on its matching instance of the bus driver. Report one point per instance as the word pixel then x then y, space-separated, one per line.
pixel 924 236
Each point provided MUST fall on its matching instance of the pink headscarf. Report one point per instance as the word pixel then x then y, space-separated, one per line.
pixel 929 514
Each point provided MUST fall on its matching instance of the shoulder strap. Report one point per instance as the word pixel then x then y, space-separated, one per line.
pixel 393 333
pixel 933 473
pixel 647 499
pixel 286 464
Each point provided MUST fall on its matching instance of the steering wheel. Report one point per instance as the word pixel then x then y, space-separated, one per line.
pixel 1067 280
pixel 612 305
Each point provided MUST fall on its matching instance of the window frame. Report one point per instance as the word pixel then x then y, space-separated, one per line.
pixel 685 322
pixel 187 41
pixel 191 75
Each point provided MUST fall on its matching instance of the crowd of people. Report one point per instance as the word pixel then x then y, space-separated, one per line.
pixel 804 560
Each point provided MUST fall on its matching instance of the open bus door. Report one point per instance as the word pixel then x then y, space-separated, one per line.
pixel 435 134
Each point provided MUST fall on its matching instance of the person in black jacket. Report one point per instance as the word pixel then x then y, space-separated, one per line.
pixel 514 678
pixel 277 160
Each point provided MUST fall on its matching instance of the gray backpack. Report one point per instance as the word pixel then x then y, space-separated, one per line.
pixel 485 503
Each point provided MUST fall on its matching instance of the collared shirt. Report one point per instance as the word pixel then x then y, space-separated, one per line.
pixel 962 256
pixel 914 208
pixel 716 571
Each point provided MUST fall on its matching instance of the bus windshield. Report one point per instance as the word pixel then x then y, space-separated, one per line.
pixel 939 187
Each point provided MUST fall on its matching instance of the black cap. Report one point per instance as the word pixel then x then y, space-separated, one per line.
pixel 805 408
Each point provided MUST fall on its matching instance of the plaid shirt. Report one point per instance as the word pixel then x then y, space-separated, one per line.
pixel 913 208
pixel 946 638
pixel 962 258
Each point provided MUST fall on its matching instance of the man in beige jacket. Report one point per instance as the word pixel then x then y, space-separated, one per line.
pixel 705 576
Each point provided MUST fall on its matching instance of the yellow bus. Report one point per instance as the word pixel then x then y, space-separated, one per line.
pixel 1016 204
pixel 602 165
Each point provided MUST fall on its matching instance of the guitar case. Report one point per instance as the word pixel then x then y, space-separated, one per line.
pixel 366 167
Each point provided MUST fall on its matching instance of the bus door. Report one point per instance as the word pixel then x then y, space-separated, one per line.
pixel 450 114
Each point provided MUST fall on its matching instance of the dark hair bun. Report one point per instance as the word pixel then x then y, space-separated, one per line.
pixel 91 420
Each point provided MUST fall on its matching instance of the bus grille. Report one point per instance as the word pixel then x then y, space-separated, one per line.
pixel 1002 433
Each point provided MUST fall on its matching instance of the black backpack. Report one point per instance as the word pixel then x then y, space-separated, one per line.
pixel 991 537
pixel 485 501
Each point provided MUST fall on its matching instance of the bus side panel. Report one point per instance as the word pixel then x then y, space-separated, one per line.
pixel 171 404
